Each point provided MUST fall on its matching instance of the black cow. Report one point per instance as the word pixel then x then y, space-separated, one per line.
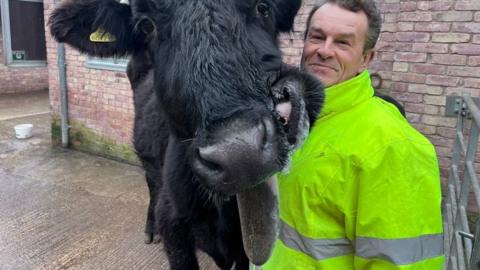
pixel 214 117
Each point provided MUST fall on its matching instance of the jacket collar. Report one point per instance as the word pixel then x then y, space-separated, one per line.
pixel 347 94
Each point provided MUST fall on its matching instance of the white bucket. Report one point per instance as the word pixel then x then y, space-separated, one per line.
pixel 23 131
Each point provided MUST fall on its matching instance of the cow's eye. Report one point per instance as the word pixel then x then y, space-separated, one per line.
pixel 147 26
pixel 263 9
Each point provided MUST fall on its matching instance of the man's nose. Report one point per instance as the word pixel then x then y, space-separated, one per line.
pixel 325 50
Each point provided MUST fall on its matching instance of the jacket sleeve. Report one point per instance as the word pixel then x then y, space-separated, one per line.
pixel 396 216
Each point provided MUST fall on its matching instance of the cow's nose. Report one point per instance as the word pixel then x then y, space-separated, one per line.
pixel 210 162
pixel 241 151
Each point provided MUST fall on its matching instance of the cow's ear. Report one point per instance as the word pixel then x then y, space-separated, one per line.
pixel 285 12
pixel 96 27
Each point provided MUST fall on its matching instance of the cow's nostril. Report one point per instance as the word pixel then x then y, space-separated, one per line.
pixel 209 159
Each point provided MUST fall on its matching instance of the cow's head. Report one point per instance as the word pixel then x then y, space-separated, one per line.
pixel 214 63
pixel 216 73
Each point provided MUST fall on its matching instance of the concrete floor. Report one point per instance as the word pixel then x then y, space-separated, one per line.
pixel 62 209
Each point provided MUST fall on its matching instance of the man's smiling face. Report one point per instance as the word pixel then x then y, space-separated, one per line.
pixel 334 44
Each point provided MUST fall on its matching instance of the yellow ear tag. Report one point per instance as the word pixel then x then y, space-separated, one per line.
pixel 102 36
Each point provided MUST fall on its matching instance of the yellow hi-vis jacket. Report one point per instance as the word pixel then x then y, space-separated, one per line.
pixel 363 192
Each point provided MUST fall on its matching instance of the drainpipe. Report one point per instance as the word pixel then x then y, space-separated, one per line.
pixel 62 68
pixel 62 78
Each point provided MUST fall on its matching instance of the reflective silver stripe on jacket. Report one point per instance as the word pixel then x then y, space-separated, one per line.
pixel 317 248
pixel 397 251
pixel 400 251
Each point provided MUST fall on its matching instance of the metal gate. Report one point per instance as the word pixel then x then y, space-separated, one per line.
pixel 462 236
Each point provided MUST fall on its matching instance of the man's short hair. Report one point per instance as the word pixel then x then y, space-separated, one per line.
pixel 367 6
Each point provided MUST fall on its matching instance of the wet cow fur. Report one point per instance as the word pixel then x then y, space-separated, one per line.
pixel 194 66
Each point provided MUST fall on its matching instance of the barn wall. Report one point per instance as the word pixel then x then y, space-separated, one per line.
pixel 20 79
pixel 99 103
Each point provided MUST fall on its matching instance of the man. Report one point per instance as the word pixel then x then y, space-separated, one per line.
pixel 363 192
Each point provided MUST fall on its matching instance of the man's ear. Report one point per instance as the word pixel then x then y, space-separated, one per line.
pixel 95 27
pixel 366 59
pixel 285 12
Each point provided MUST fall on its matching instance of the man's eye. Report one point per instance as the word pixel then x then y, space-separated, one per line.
pixel 344 42
pixel 317 37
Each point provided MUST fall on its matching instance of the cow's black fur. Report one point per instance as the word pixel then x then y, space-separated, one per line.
pixel 196 66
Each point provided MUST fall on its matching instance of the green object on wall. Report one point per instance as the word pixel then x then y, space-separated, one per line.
pixel 85 139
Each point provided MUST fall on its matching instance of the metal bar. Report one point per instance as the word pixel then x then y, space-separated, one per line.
pixel 453 264
pixel 459 250
pixel 472 143
pixel 473 109
pixel 466 231
pixel 7 39
pixel 475 258
pixel 474 181
pixel 62 77
pixel 447 225
pixel 461 142
pixel 456 182
pixel 454 204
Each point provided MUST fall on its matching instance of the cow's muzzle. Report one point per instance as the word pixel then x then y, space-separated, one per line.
pixel 241 154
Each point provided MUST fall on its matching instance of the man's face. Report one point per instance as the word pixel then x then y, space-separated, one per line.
pixel 333 49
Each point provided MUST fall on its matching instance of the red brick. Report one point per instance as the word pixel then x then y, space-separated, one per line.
pixel 450 37
pixel 398 88
pixel 415 16
pixel 389 27
pixel 421 109
pixel 389 17
pixel 446 132
pixel 425 89
pixel 453 16
pixel 412 36
pixel 409 97
pixel 471 82
pixel 439 121
pixel 432 26
pixel 474 61
pixel 385 36
pixel 408 6
pixel 402 46
pixel 449 59
pixel 467 5
pixel 469 27
pixel 410 57
pixel 459 91
pixel 386 56
pixel 430 47
pixel 468 49
pixel 409 77
pixel 427 69
pixel 434 100
pixel 400 66
pixel 435 5
pixel 463 71
pixel 404 26
pixel 442 80
pixel 389 7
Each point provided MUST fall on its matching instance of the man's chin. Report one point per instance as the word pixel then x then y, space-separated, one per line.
pixel 325 75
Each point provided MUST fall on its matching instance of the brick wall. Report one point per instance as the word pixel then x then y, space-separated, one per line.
pixel 427 50
pixel 98 100
pixel 20 79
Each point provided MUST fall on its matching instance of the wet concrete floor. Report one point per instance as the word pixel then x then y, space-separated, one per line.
pixel 62 209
